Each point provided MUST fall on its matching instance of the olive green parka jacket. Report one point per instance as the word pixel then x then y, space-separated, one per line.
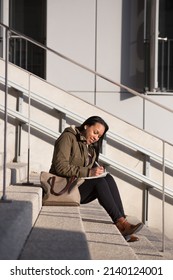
pixel 70 156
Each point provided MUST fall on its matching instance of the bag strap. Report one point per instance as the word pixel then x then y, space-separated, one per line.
pixel 51 182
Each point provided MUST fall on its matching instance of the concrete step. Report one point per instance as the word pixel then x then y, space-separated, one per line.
pixel 15 172
pixel 60 233
pixel 18 171
pixel 29 231
pixel 18 215
pixel 149 246
pixel 57 235
pixel 19 210
pixel 84 232
pixel 104 239
pixel 166 249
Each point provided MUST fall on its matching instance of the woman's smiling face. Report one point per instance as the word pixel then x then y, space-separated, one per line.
pixel 93 133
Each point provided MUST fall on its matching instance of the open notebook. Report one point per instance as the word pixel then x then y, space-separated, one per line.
pixel 95 177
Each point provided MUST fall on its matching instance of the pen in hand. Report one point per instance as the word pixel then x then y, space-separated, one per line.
pixel 101 167
pixel 96 171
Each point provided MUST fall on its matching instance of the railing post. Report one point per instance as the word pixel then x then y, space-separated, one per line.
pixel 168 65
pixel 18 127
pixel 4 196
pixel 62 122
pixel 162 40
pixel 162 65
pixel 163 199
pixel 104 145
pixel 95 62
pixel 146 173
pixel 29 131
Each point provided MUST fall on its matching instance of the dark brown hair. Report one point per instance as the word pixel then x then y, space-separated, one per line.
pixel 92 121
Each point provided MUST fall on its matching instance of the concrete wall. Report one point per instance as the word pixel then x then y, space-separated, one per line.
pixel 106 38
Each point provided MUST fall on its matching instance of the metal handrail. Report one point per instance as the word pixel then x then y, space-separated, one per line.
pixel 110 135
pixel 104 159
pixel 23 119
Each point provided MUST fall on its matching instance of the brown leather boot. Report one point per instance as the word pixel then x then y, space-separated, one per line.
pixel 131 238
pixel 126 228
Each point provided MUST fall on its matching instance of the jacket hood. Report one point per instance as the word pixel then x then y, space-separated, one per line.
pixel 71 129
pixel 74 130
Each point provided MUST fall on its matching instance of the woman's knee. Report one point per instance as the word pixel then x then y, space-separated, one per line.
pixel 110 180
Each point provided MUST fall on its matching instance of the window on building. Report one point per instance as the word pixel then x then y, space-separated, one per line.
pixel 165 49
pixel 28 17
pixel 159 45
pixel 1 31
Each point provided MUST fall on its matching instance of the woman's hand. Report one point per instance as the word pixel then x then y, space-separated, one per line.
pixel 96 171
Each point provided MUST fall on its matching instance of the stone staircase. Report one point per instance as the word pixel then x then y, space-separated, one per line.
pixel 30 231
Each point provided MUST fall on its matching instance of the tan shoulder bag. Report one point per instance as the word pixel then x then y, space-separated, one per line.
pixel 60 190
